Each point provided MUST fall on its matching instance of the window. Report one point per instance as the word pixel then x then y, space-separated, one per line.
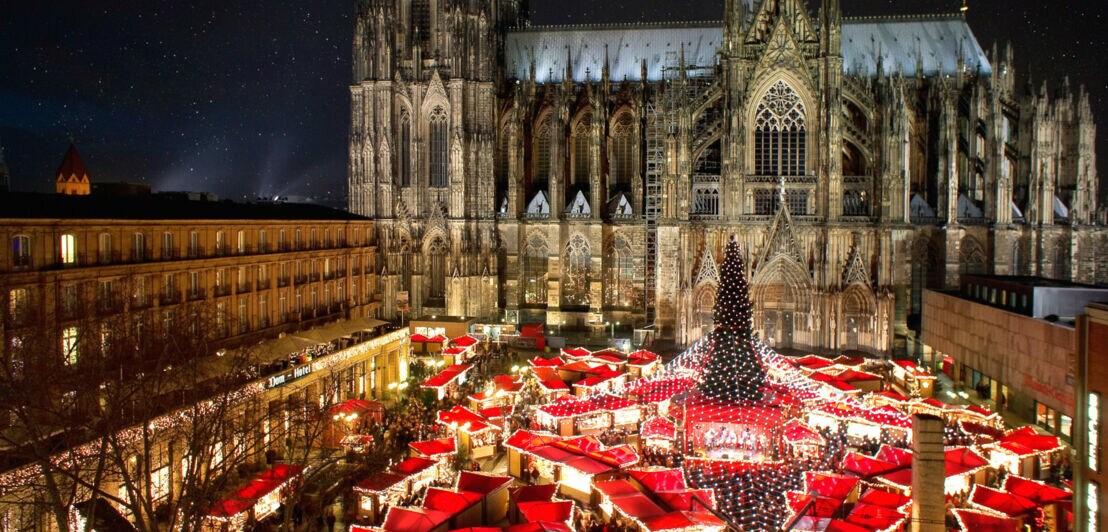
pixel 439 147
pixel 581 157
pixel 69 345
pixel 263 311
pixel 575 289
pixel 436 254
pixel 244 319
pixel 170 288
pixel 241 242
pixel 780 134
pixel 220 242
pixel 104 248
pixel 261 241
pixel 542 152
pixel 1094 432
pixel 194 285
pixel 70 300
pixel 21 251
pixel 194 244
pixel 620 289
pixel 622 160
pixel 68 249
pixel 502 157
pixel 534 272
pixel 18 301
pixel 167 245
pixel 138 247
pixel 298 240
pixel 404 150
pixel 281 240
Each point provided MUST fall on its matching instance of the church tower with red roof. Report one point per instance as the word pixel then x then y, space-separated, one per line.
pixel 72 176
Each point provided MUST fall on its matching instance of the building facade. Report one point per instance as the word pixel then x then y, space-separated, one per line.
pixel 277 300
pixel 583 175
pixel 1092 385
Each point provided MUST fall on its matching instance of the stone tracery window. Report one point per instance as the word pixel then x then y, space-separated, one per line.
pixel 780 133
pixel 619 278
pixel 542 151
pixel 436 271
pixel 581 153
pixel 621 159
pixel 502 154
pixel 575 281
pixel 534 272
pixel 438 147
pixel 403 150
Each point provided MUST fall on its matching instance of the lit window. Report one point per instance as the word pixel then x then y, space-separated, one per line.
pixel 241 244
pixel 780 133
pixel 69 345
pixel 69 249
pixel 21 251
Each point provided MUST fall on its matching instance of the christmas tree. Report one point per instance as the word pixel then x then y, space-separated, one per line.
pixel 734 370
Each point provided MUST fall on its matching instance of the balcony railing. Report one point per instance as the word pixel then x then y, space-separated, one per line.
pixel 171 298
pixel 222 290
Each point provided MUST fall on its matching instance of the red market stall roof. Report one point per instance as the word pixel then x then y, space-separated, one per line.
pixel 796 432
pixel 379 482
pixel 821 506
pixel 961 460
pixel 895 455
pixel 1006 503
pixel 979 429
pixel 545 526
pixel 1036 491
pixel 838 525
pixel 414 519
pixel 629 500
pixel 981 411
pixel 875 517
pixel 482 483
pixel 567 406
pixel 844 360
pixel 866 466
pixel 609 358
pixel 642 357
pixel 683 520
pixel 889 395
pixel 495 412
pixel 589 382
pixel 546 362
pixel 577 352
pixel 449 501
pixel 464 341
pixel 436 339
pixel 455 350
pixel 356 406
pixel 418 338
pixel 525 441
pixel 1025 441
pixel 548 379
pixel 978 521
pixel 658 390
pixel 246 496
pixel 660 428
pixel 583 453
pixel 465 420
pixel 884 498
pixel 446 376
pixel 913 368
pixel 540 511
pixel 432 448
pixel 413 465
pixel 888 416
pixel 537 492
pixel 813 362
pixel 829 484
pixel 477 529
pixel 839 410
pixel 853 375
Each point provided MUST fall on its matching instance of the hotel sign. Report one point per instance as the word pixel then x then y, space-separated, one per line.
pixel 288 376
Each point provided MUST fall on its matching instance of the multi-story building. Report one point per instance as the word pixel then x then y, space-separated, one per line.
pixel 270 310
pixel 583 175
pixel 1092 387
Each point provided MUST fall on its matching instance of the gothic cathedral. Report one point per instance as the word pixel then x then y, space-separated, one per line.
pixel 584 175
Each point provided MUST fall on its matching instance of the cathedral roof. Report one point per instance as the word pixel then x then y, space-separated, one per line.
pixel 72 166
pixel 936 41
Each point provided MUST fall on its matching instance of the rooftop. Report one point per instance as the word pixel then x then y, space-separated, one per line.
pixel 161 206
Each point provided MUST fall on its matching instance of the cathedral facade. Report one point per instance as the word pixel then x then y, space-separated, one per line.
pixel 584 176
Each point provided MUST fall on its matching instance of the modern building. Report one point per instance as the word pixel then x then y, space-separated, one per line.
pixel 277 301
pixel 1013 340
pixel 592 174
pixel 1092 388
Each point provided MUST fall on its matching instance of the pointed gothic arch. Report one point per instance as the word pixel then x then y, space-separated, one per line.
pixel 622 157
pixel 581 149
pixel 972 258
pixel 780 132
pixel 435 249
pixel 535 270
pixel 780 292
pixel 620 289
pixel 927 264
pixel 576 272
pixel 542 145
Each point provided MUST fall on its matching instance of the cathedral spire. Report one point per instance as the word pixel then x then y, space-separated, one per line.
pixel 72 176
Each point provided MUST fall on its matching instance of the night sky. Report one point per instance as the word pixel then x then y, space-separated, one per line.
pixel 249 98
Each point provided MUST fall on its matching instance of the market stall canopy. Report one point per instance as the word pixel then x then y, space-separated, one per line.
pixel 545 526
pixel 482 483
pixel 1036 491
pixel 1009 504
pixel 985 521
pixel 540 511
pixel 432 448
pixel 449 501
pixel 413 465
pixel 796 432
pixel 247 496
pixel 821 506
pixel 464 341
pixel 546 362
pixel 446 376
pixel 658 428
pixel 465 420
pixel 279 349
pixel 884 498
pixel 577 353
pixel 537 492
pixel 875 517
pixel 413 519
pixel 828 484
pixel 379 482
pixel 866 466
